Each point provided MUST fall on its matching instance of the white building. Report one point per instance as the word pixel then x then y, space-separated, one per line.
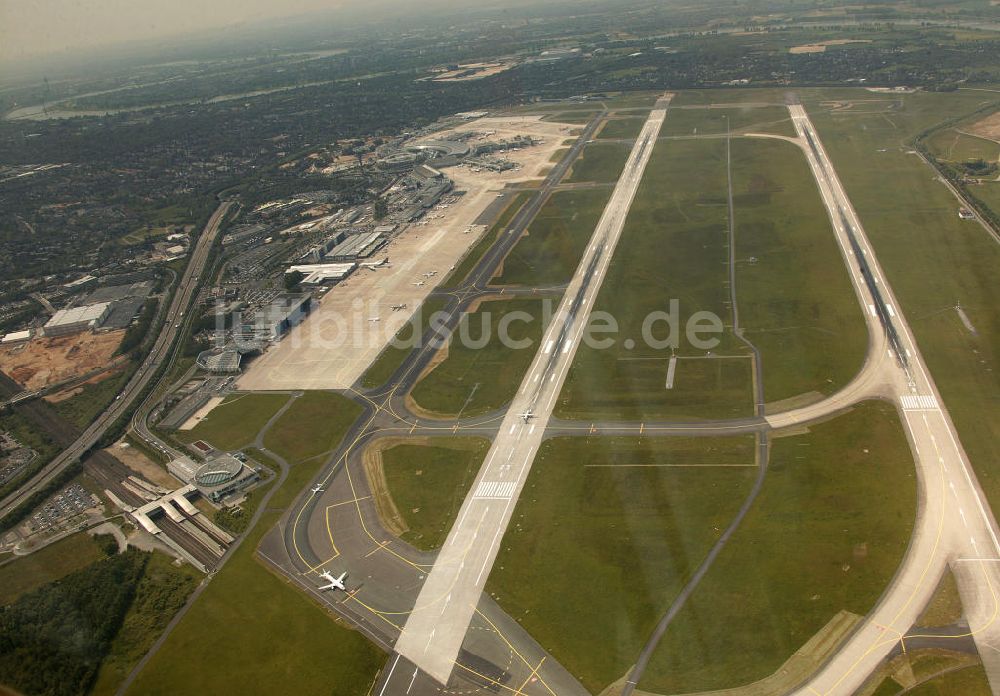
pixel 77 319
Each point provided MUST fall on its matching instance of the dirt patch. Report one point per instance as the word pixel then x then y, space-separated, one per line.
pixel 385 506
pixel 820 46
pixel 134 459
pixel 793 402
pixel 116 367
pixel 988 127
pixel 201 413
pixel 44 361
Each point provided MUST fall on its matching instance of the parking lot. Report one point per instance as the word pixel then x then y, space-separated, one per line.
pixel 62 507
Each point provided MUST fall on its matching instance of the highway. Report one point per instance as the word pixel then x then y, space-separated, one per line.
pixel 954 525
pixel 434 631
pixel 172 324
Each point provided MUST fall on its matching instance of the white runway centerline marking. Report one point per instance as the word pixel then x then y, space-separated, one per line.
pixel 469 553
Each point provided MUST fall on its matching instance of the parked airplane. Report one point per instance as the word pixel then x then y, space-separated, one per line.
pixel 374 319
pixel 397 307
pixel 430 274
pixel 318 488
pixel 419 283
pixel 334 583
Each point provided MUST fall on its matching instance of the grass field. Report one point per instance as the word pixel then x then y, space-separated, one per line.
pixel 827 533
pixel 707 97
pixel 84 407
pixel 605 533
pixel 765 119
pixel 988 194
pixel 472 258
pixel 428 484
pixel 621 128
pixel 312 426
pixel 967 681
pixel 55 561
pixel 631 100
pixel 576 116
pixel 391 357
pixel 235 422
pixel 951 145
pixel 599 162
pixel 933 259
pixel 251 633
pixel 673 247
pixel 796 301
pixel 474 380
pixel 553 244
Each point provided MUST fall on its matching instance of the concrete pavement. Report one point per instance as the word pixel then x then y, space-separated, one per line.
pixel 435 630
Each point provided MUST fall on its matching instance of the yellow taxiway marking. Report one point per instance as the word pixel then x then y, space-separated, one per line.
pixel 534 673
pixel 378 548
pixel 513 649
pixel 347 502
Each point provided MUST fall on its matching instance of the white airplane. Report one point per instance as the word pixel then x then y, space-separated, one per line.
pixel 318 488
pixel 528 415
pixel 430 274
pixel 335 583
pixel 419 283
pixel 374 319
pixel 397 307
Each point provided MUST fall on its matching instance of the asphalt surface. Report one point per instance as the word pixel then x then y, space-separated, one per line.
pixel 120 407
pixel 437 626
pixel 954 525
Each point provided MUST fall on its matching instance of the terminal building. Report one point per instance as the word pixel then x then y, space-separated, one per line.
pixel 358 246
pixel 316 274
pixel 276 319
pixel 77 319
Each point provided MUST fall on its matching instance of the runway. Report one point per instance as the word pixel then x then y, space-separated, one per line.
pixel 434 631
pixel 954 525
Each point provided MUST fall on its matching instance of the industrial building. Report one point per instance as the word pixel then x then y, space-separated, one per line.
pixel 77 319
pixel 123 312
pixel 80 284
pixel 358 246
pixel 16 337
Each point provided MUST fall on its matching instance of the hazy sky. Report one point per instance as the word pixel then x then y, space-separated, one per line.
pixel 33 27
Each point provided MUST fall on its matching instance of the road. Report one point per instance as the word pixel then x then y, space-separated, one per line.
pixel 435 629
pixel 954 525
pixel 183 295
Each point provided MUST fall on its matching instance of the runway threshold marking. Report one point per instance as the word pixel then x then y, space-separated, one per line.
pixel 494 489
pixel 919 402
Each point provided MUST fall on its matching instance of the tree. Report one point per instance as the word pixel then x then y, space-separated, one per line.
pixel 292 280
